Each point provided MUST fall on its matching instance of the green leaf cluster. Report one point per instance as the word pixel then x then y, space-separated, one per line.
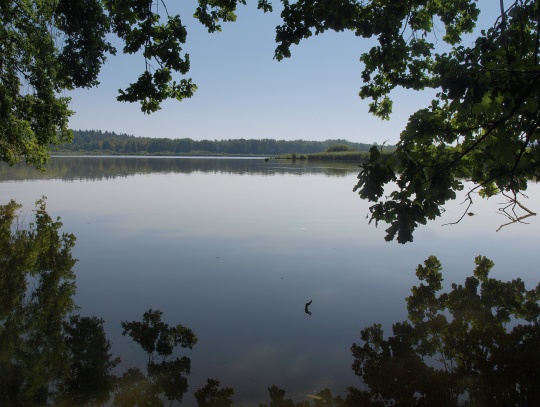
pixel 50 46
pixel 483 124
pixel 35 69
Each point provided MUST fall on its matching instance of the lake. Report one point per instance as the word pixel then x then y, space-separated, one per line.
pixel 235 248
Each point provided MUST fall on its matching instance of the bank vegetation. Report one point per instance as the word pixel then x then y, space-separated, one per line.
pixel 96 142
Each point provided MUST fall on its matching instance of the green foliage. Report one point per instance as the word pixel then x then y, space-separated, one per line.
pixel 352 156
pixel 477 342
pixel 95 141
pixel 55 45
pixel 339 147
pixel 482 127
pixel 483 124
pixel 33 69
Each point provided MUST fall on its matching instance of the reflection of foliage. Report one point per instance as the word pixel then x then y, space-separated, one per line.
pixel 211 395
pixel 167 379
pixel 49 356
pixel 156 336
pixel 277 399
pixel 136 390
pixel 476 345
pixel 100 168
pixel 36 289
pixel 456 345
pixel 90 378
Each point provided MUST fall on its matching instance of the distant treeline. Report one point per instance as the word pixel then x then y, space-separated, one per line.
pixel 105 142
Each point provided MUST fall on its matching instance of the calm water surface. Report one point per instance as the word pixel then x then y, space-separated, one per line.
pixel 234 248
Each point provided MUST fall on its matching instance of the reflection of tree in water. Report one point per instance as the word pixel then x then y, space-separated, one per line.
pixel 51 356
pixel 103 168
pixel 165 381
pixel 476 345
pixel 36 295
pixel 90 378
pixel 456 348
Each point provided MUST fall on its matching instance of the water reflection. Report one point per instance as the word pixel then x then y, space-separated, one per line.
pixel 51 356
pixel 110 167
pixel 38 344
pixel 477 344
pixel 165 382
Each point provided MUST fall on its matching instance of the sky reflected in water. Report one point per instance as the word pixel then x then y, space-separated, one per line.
pixel 235 255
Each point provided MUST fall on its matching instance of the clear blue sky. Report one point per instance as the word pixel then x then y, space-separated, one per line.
pixel 245 93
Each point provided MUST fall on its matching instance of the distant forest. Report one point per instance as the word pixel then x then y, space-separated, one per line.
pixel 105 142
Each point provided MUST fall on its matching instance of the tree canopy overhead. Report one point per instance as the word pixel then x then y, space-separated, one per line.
pixel 481 126
pixel 483 123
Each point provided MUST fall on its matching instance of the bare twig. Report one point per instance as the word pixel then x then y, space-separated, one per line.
pixel 466 211
pixel 514 218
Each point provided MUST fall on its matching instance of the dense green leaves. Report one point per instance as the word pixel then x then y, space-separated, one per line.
pixel 482 127
pixel 85 25
pixel 53 45
pixel 483 124
pixel 33 70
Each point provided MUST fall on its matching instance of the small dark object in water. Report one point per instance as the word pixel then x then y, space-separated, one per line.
pixel 306 307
